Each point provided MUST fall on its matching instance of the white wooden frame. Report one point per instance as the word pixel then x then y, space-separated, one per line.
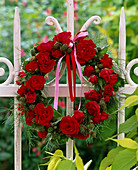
pixel 9 90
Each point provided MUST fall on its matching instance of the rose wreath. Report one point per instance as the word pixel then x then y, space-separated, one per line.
pixel 98 69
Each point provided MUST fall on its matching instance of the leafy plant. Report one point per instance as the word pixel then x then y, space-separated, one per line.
pixel 58 161
pixel 124 156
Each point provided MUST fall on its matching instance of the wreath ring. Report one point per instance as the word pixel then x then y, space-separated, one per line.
pixel 77 53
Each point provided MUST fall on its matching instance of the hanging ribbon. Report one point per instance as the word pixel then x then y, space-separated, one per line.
pixel 69 76
pixel 74 63
pixel 74 76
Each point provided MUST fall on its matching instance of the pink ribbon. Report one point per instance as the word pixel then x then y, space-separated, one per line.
pixel 81 34
pixel 57 84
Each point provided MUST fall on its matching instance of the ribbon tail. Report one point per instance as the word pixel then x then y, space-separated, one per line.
pixel 57 84
pixel 69 76
pixel 80 73
pixel 74 76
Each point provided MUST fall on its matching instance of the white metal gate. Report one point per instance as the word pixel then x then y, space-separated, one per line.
pixel 9 90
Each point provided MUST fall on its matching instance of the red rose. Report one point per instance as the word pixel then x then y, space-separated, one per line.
pixel 93 79
pixel 42 134
pixel 63 37
pixel 18 82
pixel 105 74
pixel 107 61
pixel 29 117
pixel 108 89
pixel 44 115
pixel 92 108
pixel 103 116
pixel 69 125
pixel 21 108
pixel 96 120
pixel 85 51
pixel 22 90
pixel 113 79
pixel 57 53
pixel 46 46
pixel 46 65
pixel 80 136
pixel 21 74
pixel 93 95
pixel 31 96
pixel 79 116
pixel 35 82
pixel 32 66
pixel 106 98
pixel 47 125
pixel 88 71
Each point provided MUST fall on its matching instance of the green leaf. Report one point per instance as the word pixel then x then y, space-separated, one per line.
pixel 130 101
pixel 109 168
pixel 125 160
pixel 104 50
pixel 57 114
pixel 54 161
pixel 86 166
pixel 66 165
pixel 79 163
pixel 47 163
pixel 128 125
pixel 132 133
pixel 136 112
pixel 110 157
pixel 4 156
pixel 78 160
pixel 137 154
pixel 58 153
pixel 126 143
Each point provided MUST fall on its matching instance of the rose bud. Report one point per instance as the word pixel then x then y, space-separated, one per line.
pixel 102 104
pixel 68 50
pixel 50 129
pixel 97 71
pixel 18 82
pixel 64 47
pixel 56 45
pixel 99 49
pixel 100 66
pixel 33 52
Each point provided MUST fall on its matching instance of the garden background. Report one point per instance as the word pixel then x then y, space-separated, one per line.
pixel 34 29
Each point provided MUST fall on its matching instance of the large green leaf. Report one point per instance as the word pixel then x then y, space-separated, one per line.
pixel 53 163
pixel 110 157
pixel 136 113
pixel 78 160
pixel 130 101
pixel 128 125
pixel 127 143
pixel 137 154
pixel 132 133
pixel 66 165
pixel 124 160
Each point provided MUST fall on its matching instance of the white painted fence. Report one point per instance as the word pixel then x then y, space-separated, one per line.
pixel 9 90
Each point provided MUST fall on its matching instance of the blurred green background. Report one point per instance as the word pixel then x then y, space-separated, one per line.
pixel 34 29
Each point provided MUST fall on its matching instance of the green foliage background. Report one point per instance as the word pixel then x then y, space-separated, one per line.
pixel 34 29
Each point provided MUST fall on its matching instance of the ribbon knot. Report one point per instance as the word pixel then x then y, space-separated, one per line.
pixel 75 63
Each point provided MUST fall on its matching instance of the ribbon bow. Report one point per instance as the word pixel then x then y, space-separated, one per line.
pixel 74 64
